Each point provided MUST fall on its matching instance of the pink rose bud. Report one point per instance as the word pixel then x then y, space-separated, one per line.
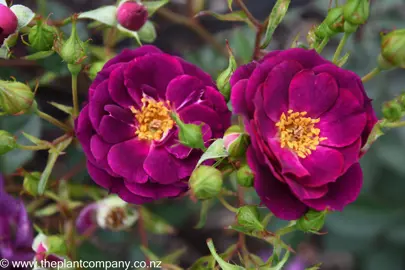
pixel 8 23
pixel 132 15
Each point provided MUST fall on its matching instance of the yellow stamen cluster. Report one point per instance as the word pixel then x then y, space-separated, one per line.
pixel 154 120
pixel 299 133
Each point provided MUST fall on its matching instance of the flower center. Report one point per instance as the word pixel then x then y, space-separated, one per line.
pixel 299 133
pixel 154 120
pixel 115 218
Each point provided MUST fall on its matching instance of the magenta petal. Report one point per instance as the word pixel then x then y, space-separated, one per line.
pixel 314 94
pixel 154 70
pixel 100 98
pixel 238 99
pixel 343 124
pixel 304 192
pixel 127 55
pixel 184 90
pixel 124 193
pixel 115 131
pixel 99 147
pixel 275 195
pixel 371 121
pixel 120 114
pixel 155 190
pixel 193 70
pixel 275 89
pixel 86 218
pixel 350 154
pixel 307 58
pixel 161 166
pixel 342 192
pixel 117 89
pixel 84 131
pixel 324 165
pixel 266 126
pixel 101 177
pixel 127 159
pixel 204 114
pixel 242 73
pixel 24 235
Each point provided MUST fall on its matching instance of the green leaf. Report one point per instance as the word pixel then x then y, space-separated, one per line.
pixel 63 108
pixel 148 32
pixel 130 33
pixel 48 210
pixel 204 263
pixel 39 55
pixel 36 140
pixel 24 15
pixel 174 257
pixel 236 16
pixel 52 158
pixel 275 18
pixel 230 4
pixel 205 206
pixel 281 264
pixel 223 264
pixel 153 6
pixel 216 150
pixel 31 181
pixel 343 60
pixel 105 15
pixel 16 125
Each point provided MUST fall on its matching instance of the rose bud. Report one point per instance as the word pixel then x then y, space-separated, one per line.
pixel 236 142
pixel 50 248
pixel 248 216
pixel 8 23
pixel 356 12
pixel 41 36
pixel 95 69
pixel 7 142
pixel 393 49
pixel 392 111
pixel 313 221
pixel 16 97
pixel 245 176
pixel 132 15
pixel 334 20
pixel 205 182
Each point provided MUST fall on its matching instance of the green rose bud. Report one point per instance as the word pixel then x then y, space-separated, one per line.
pixel 223 79
pixel 189 134
pixel 16 98
pixel 95 68
pixel 41 36
pixel 73 50
pixel 323 31
pixel 392 111
pixel 7 142
pixel 245 176
pixel 248 216
pixel 31 181
pixel 334 20
pixel 393 48
pixel 402 101
pixel 235 141
pixel 312 221
pixel 205 182
pixel 356 12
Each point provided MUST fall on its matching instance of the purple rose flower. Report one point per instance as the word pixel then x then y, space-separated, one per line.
pixel 16 233
pixel 126 130
pixel 308 120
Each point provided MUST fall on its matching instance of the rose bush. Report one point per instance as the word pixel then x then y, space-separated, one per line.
pixel 308 120
pixel 126 129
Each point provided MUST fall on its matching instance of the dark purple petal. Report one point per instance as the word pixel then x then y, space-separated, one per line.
pixel 184 90
pixel 120 114
pixel 127 55
pixel 117 89
pixel 101 177
pixel 238 99
pixel 155 191
pixel 24 235
pixel 204 114
pixel 123 192
pixel 314 94
pixel 161 166
pixel 242 73
pixel 342 192
pixel 275 195
pixel 195 71
pixel 303 192
pixel 97 103
pixel 127 159
pixel 99 148
pixel 84 131
pixel 307 58
pixel 275 88
pixel 343 124
pixel 371 121
pixel 267 127
pixel 350 154
pixel 86 218
pixel 115 131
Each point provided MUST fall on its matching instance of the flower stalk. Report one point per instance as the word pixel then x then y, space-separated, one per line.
pixel 371 75
pixel 340 47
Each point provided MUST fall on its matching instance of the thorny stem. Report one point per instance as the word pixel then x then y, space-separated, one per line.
pixel 53 121
pixel 371 75
pixel 248 14
pixel 340 47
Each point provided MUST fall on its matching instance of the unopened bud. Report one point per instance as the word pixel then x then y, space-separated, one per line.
pixel 132 15
pixel 95 68
pixel 245 176
pixel 7 142
pixel 189 134
pixel 248 216
pixel 41 36
pixel 312 221
pixel 356 12
pixel 50 248
pixel 223 79
pixel 334 20
pixel 114 214
pixel 16 97
pixel 205 182
pixel 8 22
pixel 31 181
pixel 392 111
pixel 235 141
pixel 393 48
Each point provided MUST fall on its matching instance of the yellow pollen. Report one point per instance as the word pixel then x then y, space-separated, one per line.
pixel 299 133
pixel 154 119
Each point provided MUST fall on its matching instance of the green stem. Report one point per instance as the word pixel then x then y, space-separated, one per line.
pixel 395 124
pixel 371 75
pixel 75 96
pixel 285 230
pixel 340 47
pixel 322 45
pixel 227 205
pixel 41 5
pixel 33 147
pixel 53 121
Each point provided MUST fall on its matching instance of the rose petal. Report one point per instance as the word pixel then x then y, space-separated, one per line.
pixel 371 121
pixel 314 94
pixel 195 71
pixel 100 98
pixel 99 148
pixel 161 166
pixel 343 124
pixel 127 159
pixel 204 114
pixel 342 192
pixel 101 177
pixel 350 154
pixel 86 218
pixel 307 58
pixel 238 99
pixel 274 194
pixel 24 235
pixel 155 191
pixel 304 192
pixel 275 88
pixel 120 114
pixel 123 192
pixel 117 89
pixel 114 131
pixel 128 55
pixel 84 132
pixel 267 127
pixel 184 90
pixel 242 73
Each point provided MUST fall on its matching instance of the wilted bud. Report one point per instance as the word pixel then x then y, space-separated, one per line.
pixel 7 142
pixel 95 68
pixel 132 15
pixel 312 221
pixel 223 79
pixel 356 12
pixel 334 20
pixel 235 141
pixel 392 111
pixel 31 181
pixel 189 134
pixel 393 48
pixel 311 36
pixel 205 182
pixel 73 50
pixel 50 248
pixel 248 216
pixel 245 176
pixel 114 214
pixel 16 97
pixel 41 36
pixel 8 23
